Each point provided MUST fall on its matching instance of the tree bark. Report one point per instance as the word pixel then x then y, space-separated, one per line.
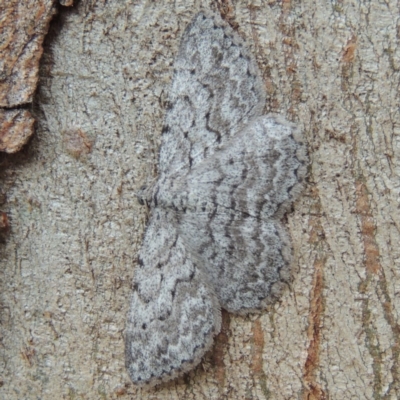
pixel 23 25
pixel 76 227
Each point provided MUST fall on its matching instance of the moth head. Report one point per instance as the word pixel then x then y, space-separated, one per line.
pixel 145 194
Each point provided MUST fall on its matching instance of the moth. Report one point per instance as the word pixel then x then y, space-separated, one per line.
pixel 227 174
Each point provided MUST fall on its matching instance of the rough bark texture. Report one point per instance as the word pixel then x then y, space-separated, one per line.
pixel 16 126
pixel 23 26
pixel 75 226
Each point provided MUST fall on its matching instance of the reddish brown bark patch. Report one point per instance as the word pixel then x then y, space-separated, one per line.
pixel 4 224
pixel 350 50
pixel 258 337
pixel 77 142
pixel 23 26
pixel 312 389
pixel 372 263
pixel 221 343
pixel 257 358
pixel 16 127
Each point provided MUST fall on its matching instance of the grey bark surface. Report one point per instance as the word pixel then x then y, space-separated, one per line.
pixel 67 264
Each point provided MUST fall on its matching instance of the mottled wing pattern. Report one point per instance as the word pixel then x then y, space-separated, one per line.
pixel 216 89
pixel 227 208
pixel 174 312
pixel 253 255
pixel 227 175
